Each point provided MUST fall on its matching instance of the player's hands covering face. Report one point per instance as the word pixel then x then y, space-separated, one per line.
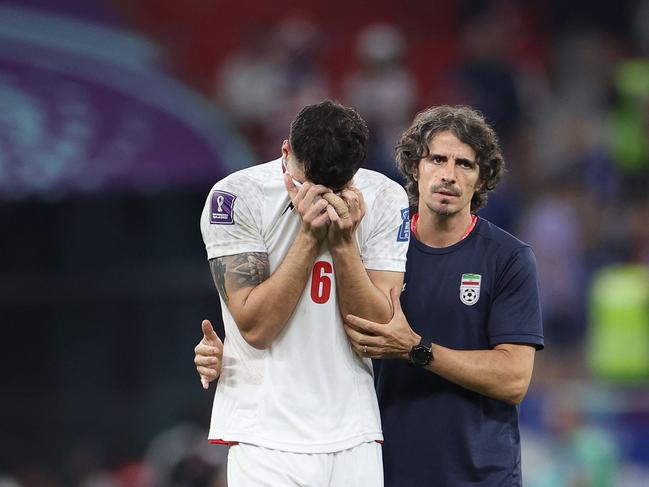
pixel 208 355
pixel 310 206
pixel 343 230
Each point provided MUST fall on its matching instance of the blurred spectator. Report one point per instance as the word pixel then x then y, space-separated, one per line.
pixel 486 78
pixel 182 457
pixel 270 79
pixel 304 80
pixel 88 465
pixel 383 90
pixel 583 68
pixel 630 124
pixel 249 82
pixel 639 241
pixel 618 339
pixel 552 227
pixel 572 452
pixel 640 24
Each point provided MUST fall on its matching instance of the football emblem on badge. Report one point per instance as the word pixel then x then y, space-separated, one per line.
pixel 470 288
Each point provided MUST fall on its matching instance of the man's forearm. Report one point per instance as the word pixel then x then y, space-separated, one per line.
pixel 264 312
pixel 356 292
pixel 499 373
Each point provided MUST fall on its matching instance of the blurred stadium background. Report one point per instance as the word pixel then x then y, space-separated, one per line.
pixel 117 116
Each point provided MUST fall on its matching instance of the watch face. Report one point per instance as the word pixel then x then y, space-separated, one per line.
pixel 421 355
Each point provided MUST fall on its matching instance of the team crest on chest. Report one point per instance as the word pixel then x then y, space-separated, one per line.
pixel 470 288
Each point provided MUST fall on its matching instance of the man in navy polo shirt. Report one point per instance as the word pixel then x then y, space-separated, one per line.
pixel 464 335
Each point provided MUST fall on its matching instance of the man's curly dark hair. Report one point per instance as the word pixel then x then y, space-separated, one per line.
pixel 330 140
pixel 470 127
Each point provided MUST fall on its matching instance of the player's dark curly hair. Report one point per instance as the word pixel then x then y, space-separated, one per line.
pixel 471 128
pixel 330 140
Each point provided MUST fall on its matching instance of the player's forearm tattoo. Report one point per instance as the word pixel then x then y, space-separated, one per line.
pixel 234 272
pixel 218 275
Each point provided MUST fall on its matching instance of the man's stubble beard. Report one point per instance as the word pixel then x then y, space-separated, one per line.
pixel 445 212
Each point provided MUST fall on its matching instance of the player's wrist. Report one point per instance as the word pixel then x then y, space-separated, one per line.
pixel 309 239
pixel 343 247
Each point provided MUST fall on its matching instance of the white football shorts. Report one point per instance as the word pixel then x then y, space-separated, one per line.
pixel 256 466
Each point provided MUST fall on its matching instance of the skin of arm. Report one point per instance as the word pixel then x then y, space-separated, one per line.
pixel 261 304
pixel 359 291
pixel 502 373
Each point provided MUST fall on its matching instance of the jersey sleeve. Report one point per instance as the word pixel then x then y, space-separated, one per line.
pixel 229 222
pixel 515 315
pixel 386 247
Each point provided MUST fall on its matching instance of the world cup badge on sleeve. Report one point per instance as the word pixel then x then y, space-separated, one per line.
pixel 222 208
pixel 470 288
pixel 403 234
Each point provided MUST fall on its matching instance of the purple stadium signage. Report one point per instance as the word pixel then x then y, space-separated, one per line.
pixel 84 107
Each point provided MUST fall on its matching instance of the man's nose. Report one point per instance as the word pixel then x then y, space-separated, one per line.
pixel 448 172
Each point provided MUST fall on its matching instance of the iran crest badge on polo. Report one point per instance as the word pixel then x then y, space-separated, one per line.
pixel 470 288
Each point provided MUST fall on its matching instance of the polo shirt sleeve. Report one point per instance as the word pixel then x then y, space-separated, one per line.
pixel 515 315
pixel 229 222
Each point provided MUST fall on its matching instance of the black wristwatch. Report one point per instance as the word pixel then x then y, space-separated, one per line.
pixel 421 354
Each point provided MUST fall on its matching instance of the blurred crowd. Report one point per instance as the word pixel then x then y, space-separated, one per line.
pixel 179 456
pixel 567 88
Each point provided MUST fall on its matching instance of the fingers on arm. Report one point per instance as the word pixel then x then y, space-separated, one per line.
pixel 364 345
pixel 207 357
pixel 207 375
pixel 209 335
pixel 364 327
pixel 208 354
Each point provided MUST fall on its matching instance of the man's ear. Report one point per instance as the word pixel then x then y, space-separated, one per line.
pixel 286 149
pixel 480 184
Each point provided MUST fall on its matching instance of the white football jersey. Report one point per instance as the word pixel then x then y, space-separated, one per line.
pixel 308 392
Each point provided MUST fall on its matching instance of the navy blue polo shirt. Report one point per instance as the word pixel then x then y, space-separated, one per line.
pixel 473 295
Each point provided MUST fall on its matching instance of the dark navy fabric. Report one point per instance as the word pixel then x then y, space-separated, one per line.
pixel 437 433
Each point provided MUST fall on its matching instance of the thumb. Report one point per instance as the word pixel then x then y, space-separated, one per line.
pixel 394 298
pixel 209 335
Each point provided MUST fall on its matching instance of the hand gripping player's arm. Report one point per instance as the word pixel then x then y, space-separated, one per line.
pixel 503 373
pixel 261 304
pixel 360 291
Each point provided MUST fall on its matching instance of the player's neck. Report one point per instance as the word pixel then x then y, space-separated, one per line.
pixel 441 231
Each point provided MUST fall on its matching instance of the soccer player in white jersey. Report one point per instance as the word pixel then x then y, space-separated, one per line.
pixel 294 402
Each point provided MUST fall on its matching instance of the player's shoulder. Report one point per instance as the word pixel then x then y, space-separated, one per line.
pixel 375 184
pixel 501 240
pixel 251 178
pixel 256 175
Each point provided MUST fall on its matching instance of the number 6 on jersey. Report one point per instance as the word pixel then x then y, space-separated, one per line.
pixel 321 281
